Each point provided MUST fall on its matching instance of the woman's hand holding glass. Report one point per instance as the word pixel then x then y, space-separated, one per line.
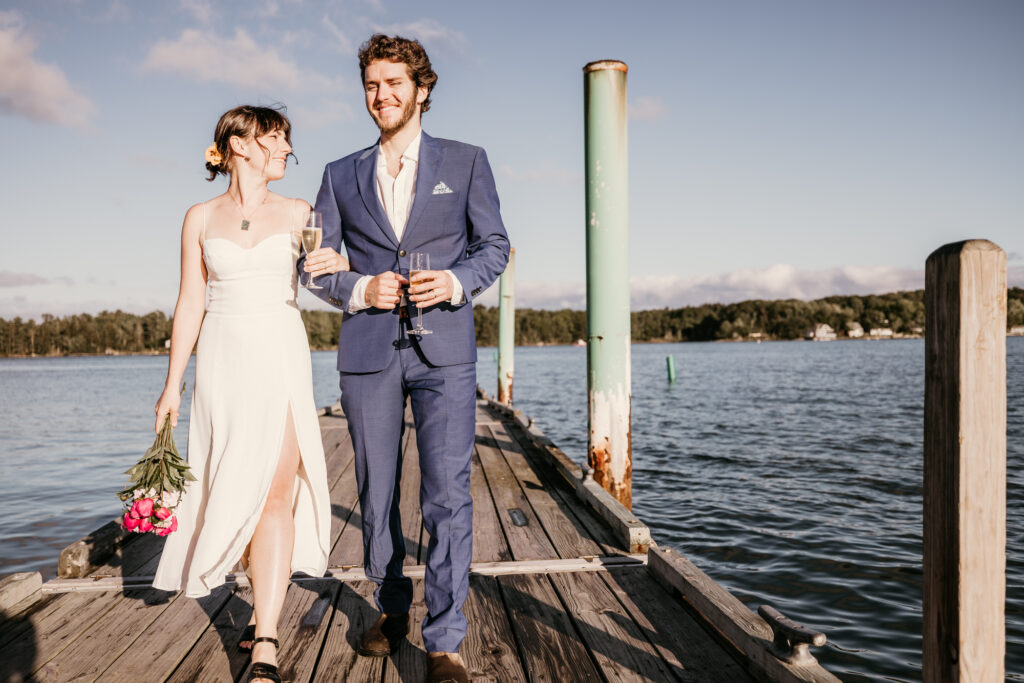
pixel 323 261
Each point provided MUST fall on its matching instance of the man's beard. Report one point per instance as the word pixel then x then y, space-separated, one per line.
pixel 408 109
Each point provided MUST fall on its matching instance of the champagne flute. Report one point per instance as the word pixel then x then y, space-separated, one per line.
pixel 418 262
pixel 312 234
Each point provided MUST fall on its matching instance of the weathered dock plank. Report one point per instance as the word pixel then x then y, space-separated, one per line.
pixel 548 644
pixel 568 535
pixel 525 535
pixel 616 641
pixel 354 613
pixel 489 649
pixel 215 656
pixel 691 653
pixel 53 624
pixel 489 543
pixel 107 638
pixel 155 653
pixel 564 492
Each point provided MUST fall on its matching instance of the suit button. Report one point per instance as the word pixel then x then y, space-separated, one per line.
pixel 401 252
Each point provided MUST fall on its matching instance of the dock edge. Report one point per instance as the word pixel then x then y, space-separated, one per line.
pixel 630 531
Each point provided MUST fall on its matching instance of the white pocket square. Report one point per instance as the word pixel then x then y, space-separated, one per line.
pixel 441 188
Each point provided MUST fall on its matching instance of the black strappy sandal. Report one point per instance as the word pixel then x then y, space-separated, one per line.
pixel 262 669
pixel 248 635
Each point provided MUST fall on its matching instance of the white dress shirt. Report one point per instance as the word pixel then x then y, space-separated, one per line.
pixel 396 196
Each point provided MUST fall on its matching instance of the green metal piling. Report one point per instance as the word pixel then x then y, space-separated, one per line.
pixel 507 329
pixel 670 365
pixel 609 447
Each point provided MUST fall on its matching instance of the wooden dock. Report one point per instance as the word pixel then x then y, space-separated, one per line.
pixel 565 586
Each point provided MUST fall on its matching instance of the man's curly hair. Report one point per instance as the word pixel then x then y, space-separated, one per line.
pixel 403 51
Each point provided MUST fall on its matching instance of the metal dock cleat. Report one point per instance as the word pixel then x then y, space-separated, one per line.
pixel 791 641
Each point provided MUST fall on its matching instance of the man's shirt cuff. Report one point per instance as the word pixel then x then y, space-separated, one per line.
pixel 357 301
pixel 458 295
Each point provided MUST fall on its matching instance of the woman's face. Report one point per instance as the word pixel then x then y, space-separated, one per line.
pixel 268 154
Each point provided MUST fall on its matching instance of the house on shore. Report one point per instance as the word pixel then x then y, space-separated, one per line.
pixel 854 330
pixel 821 332
pixel 1016 331
pixel 880 333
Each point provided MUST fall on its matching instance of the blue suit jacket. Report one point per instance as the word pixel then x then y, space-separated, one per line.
pixel 461 230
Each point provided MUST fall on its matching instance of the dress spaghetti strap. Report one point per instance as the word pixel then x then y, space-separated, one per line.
pixel 202 235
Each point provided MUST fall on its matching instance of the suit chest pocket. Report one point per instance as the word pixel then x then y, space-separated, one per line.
pixel 441 206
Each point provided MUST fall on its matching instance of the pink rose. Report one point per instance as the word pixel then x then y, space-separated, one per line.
pixel 134 512
pixel 145 507
pixel 130 522
pixel 145 525
pixel 162 513
pixel 163 532
pixel 173 526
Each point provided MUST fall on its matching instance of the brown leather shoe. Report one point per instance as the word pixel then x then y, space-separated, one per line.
pixel 446 667
pixel 384 635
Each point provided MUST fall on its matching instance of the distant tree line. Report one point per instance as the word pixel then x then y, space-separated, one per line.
pixel 902 312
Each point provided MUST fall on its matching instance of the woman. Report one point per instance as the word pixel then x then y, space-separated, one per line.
pixel 254 442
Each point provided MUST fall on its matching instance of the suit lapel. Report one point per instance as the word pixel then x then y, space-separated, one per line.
pixel 366 179
pixel 431 155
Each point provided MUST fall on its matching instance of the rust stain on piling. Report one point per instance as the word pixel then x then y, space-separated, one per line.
pixel 505 390
pixel 598 457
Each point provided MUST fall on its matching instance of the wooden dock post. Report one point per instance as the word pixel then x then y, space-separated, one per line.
pixel 507 329
pixel 965 464
pixel 609 447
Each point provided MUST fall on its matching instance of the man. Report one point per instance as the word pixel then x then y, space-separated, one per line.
pixel 411 193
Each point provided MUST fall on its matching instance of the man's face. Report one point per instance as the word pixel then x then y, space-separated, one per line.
pixel 391 97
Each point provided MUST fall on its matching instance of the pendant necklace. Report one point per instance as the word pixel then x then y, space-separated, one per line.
pixel 245 219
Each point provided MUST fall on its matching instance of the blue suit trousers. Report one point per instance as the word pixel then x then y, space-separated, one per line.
pixel 443 402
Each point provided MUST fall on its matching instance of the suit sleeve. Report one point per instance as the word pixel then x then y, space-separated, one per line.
pixel 487 251
pixel 337 287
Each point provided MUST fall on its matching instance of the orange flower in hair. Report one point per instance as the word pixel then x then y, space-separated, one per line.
pixel 213 156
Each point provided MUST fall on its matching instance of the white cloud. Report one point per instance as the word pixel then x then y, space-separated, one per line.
pixel 200 9
pixel 781 281
pixel 342 42
pixel 647 109
pixel 204 56
pixel 270 8
pixel 321 115
pixel 32 89
pixel 546 172
pixel 428 31
pixel 9 279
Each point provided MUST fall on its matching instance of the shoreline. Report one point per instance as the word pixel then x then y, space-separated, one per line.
pixel 537 345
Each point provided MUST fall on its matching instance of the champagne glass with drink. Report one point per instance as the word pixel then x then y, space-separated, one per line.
pixel 312 234
pixel 418 262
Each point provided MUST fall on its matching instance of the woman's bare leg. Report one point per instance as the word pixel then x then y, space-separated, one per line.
pixel 270 551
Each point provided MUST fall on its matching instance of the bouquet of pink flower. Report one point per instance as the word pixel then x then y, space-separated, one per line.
pixel 155 486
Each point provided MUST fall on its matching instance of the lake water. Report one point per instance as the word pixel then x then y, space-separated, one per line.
pixel 790 472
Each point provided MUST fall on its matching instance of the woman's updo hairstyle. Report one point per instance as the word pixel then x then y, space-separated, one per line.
pixel 244 121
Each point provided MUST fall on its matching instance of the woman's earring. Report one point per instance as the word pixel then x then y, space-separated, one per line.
pixel 247 158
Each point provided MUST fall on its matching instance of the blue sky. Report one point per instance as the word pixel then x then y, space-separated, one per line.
pixel 785 148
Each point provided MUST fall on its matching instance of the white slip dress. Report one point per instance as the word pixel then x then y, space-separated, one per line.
pixel 252 366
